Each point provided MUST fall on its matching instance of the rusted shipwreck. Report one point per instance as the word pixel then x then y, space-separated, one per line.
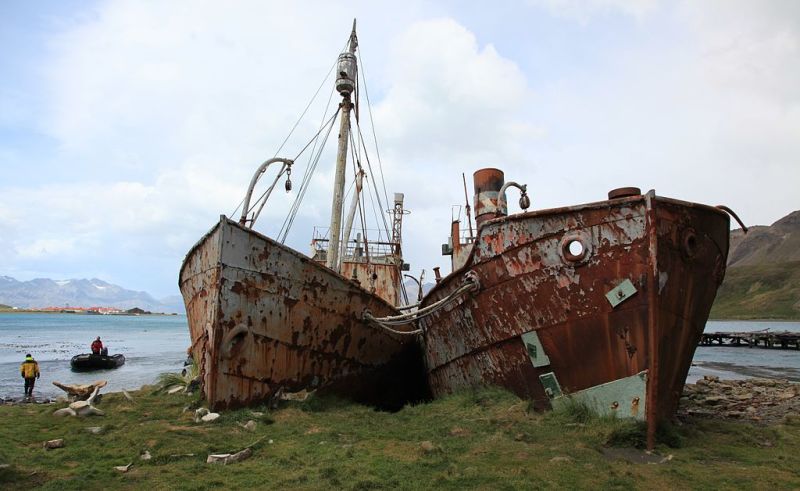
pixel 266 318
pixel 604 301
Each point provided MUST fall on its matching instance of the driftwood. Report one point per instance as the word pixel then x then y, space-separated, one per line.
pixel 227 458
pixel 81 392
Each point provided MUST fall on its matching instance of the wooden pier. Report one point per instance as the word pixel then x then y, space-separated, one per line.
pixel 753 339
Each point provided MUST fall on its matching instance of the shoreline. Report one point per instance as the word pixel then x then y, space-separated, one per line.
pixel 122 314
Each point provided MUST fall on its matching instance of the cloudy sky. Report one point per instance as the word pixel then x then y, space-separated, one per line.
pixel 127 128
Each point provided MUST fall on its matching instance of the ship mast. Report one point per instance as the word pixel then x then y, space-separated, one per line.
pixel 346 76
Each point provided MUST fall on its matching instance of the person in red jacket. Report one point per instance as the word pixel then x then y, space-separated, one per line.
pixel 97 346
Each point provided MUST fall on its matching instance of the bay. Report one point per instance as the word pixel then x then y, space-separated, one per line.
pixel 151 344
pixel 156 344
pixel 730 362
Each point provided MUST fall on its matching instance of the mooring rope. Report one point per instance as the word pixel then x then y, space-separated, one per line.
pixel 471 284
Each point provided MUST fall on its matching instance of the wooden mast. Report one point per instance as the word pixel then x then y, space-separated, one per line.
pixel 345 83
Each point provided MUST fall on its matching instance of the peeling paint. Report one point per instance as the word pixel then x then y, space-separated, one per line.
pixel 263 317
pixel 529 285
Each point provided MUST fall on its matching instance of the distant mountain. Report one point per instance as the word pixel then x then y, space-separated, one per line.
pixel 778 243
pixel 412 289
pixel 763 277
pixel 44 292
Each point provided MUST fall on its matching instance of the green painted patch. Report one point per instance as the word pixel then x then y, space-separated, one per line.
pixel 535 349
pixel 624 398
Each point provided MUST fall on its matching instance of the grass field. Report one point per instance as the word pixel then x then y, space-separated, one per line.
pixel 487 439
pixel 765 291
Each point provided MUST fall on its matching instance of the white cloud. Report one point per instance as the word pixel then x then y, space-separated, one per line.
pixel 41 247
pixel 161 111
pixel 583 10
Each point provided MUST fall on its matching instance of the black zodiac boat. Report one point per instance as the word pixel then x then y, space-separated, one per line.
pixel 90 361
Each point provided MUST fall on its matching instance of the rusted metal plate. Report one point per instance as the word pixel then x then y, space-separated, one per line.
pixel 379 279
pixel 664 252
pixel 264 317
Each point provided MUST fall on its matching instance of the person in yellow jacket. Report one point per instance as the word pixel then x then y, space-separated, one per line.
pixel 30 372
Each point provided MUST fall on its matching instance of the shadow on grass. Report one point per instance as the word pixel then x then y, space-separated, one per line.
pixel 619 432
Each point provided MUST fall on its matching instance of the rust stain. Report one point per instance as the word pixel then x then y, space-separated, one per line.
pixel 667 249
pixel 252 335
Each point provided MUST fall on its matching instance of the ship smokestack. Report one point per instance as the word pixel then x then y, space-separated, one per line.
pixel 488 205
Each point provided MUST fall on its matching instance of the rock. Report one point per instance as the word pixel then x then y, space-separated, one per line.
pixel 127 396
pixel 711 378
pixel 257 414
pixel 95 430
pixel 714 400
pixel 123 468
pixel 270 442
pixel 250 425
pixel 561 459
pixel 64 411
pixel 208 418
pixel 787 394
pixel 427 446
pixel 227 458
pixel 743 397
pixel 199 413
pixel 145 455
pixel 175 390
pixel 51 444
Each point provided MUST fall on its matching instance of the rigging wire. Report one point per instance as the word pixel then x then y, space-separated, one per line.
pixel 313 162
pixel 372 124
pixel 324 80
pixel 375 185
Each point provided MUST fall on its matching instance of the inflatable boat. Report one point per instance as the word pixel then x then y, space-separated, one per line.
pixel 89 361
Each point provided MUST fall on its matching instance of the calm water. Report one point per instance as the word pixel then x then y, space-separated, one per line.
pixel 731 362
pixel 153 345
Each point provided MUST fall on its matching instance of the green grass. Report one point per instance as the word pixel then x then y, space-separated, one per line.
pixel 765 291
pixel 485 439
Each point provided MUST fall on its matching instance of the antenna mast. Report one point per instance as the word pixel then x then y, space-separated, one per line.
pixel 466 198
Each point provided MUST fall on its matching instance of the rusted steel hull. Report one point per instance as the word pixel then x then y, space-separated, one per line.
pixel 264 317
pixel 617 322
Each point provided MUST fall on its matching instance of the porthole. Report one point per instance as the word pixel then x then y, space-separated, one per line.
pixel 233 342
pixel 690 243
pixel 575 247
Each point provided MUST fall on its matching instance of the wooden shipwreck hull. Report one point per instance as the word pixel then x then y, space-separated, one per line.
pixel 613 321
pixel 264 317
